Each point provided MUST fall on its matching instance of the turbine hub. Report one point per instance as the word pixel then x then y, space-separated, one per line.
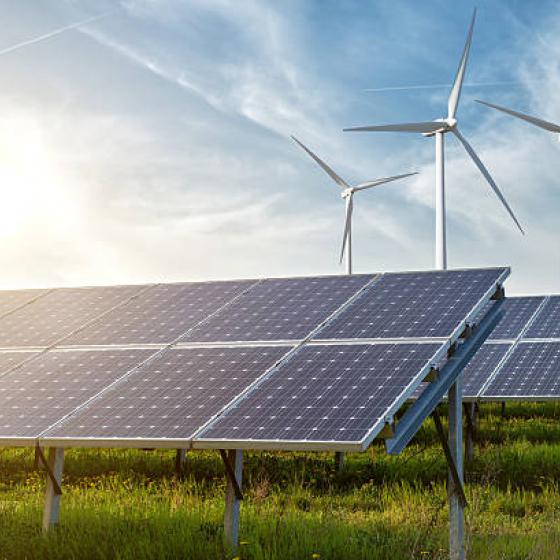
pixel 451 122
pixel 347 192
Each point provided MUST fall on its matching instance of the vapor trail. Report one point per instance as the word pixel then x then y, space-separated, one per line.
pixel 54 33
pixel 437 86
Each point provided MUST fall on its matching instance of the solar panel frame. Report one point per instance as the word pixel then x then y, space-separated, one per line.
pixel 328 445
pixel 199 442
pixel 170 443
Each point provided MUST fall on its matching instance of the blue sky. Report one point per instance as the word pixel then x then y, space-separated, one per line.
pixel 153 144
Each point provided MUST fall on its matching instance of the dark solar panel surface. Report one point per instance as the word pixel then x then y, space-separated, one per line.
pixel 516 313
pixel 423 304
pixel 58 313
pixel 279 309
pixel 12 299
pixel 160 314
pixel 325 393
pixel 547 322
pixel 532 371
pixel 173 395
pixel 42 391
pixel 481 366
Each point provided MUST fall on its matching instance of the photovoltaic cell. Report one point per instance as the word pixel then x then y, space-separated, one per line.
pixel 173 395
pixel 532 371
pixel 58 313
pixel 279 309
pixel 42 391
pixel 325 393
pixel 547 322
pixel 481 366
pixel 12 299
pixel 417 305
pixel 160 314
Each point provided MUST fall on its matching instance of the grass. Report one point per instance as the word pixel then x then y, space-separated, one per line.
pixel 130 505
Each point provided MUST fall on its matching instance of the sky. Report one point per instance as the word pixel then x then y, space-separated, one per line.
pixel 152 143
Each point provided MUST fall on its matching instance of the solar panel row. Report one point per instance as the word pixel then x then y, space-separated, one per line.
pixel 338 392
pixel 525 364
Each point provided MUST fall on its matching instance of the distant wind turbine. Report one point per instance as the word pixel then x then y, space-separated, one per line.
pixel 347 194
pixel 438 128
pixel 551 127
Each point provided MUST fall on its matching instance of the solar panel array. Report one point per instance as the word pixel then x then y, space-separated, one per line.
pixel 521 358
pixel 293 361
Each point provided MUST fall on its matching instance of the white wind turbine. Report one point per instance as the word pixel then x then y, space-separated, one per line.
pixel 347 194
pixel 551 127
pixel 438 128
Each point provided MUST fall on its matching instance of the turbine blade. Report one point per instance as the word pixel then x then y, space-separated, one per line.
pixel 487 176
pixel 370 184
pixel 347 224
pixel 533 120
pixel 455 93
pixel 431 126
pixel 336 178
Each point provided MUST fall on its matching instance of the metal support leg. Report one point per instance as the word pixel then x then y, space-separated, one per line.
pixel 470 432
pixel 455 489
pixel 180 461
pixel 54 468
pixel 234 470
pixel 339 461
pixel 503 409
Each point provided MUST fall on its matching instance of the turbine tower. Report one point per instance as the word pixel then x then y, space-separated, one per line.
pixel 347 194
pixel 439 128
pixel 551 127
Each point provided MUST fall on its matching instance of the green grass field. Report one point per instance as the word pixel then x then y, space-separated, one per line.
pixel 130 505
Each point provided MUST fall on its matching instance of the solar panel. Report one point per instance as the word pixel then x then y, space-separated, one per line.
pixel 415 305
pixel 481 366
pixel 160 314
pixel 10 300
pixel 547 322
pixel 532 371
pixel 8 360
pixel 325 393
pixel 279 309
pixel 43 390
pixel 58 313
pixel 172 395
pixel 517 311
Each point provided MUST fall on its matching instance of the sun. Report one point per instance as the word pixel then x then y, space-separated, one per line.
pixel 32 188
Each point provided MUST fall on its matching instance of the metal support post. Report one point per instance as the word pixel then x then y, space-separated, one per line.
pixel 54 467
pixel 233 462
pixel 470 432
pixel 457 501
pixel 180 461
pixel 339 461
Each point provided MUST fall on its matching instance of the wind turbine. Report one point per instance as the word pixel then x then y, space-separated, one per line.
pixel 439 128
pixel 347 194
pixel 551 127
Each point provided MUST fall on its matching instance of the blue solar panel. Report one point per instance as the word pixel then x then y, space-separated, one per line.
pixel 279 309
pixel 481 366
pixel 547 322
pixel 46 388
pixel 59 313
pixel 326 393
pixel 160 314
pixel 415 305
pixel 172 395
pixel 531 371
